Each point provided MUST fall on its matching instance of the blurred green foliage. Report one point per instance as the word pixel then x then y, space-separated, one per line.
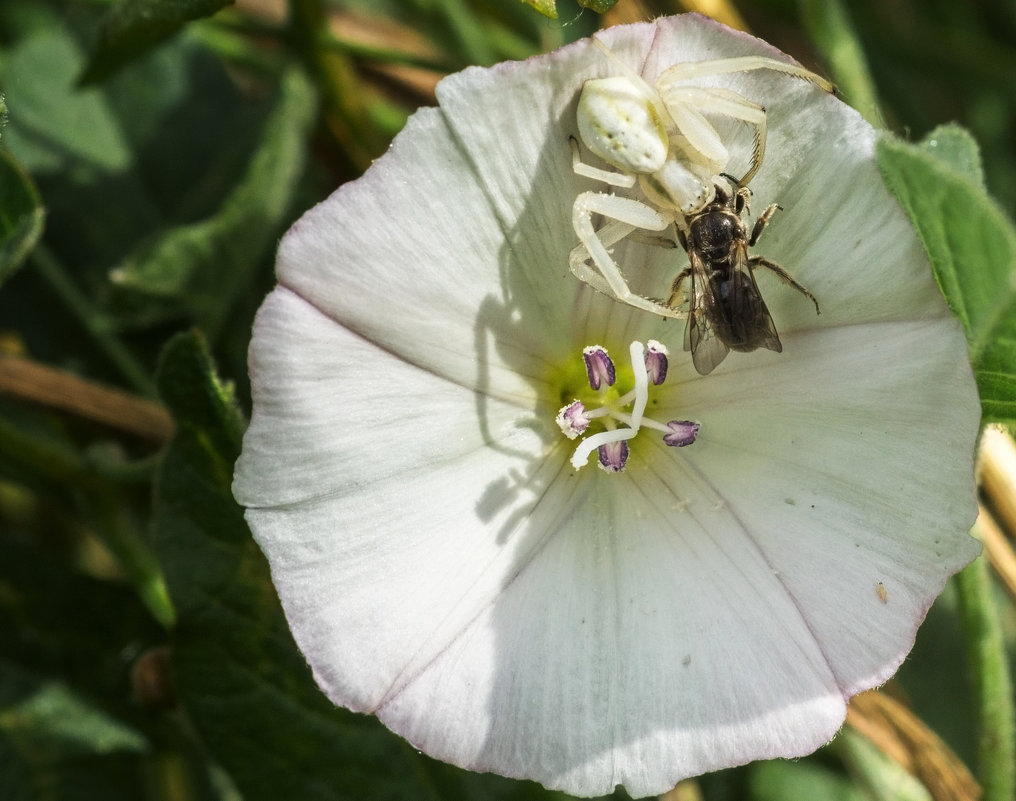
pixel 152 158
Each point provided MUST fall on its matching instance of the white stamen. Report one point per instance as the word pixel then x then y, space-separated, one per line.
pixel 612 410
pixel 591 443
pixel 638 366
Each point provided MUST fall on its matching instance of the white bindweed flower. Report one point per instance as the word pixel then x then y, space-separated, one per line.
pixel 715 594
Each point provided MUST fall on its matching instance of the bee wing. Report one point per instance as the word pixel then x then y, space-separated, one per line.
pixel 748 310
pixel 707 349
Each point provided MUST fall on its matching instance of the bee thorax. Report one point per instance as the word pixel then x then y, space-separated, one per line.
pixel 713 232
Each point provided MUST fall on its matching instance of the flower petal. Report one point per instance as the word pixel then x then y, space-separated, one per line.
pixel 442 567
pixel 386 532
pixel 514 121
pixel 806 126
pixel 358 257
pixel 623 679
pixel 335 414
pixel 860 478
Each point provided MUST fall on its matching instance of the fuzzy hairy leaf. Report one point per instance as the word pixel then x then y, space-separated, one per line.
pixel 972 246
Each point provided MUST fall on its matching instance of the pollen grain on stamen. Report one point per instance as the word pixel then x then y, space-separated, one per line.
pixel 572 419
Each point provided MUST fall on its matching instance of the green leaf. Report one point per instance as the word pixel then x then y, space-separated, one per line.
pixel 546 7
pixel 885 779
pixel 54 744
pixel 21 215
pixel 124 165
pixel 203 264
pixel 54 719
pixel 599 6
pixel 972 247
pixel 132 27
pixel 241 678
pixel 52 126
pixel 955 148
pixel 779 780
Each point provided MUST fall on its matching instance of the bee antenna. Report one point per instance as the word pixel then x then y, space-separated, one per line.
pixel 734 183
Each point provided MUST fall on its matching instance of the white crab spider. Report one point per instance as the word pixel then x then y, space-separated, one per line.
pixel 659 137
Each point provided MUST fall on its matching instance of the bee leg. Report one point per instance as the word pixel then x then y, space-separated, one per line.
pixel 783 275
pixel 655 241
pixel 761 223
pixel 675 287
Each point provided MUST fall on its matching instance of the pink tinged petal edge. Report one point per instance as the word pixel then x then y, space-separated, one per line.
pixel 448 573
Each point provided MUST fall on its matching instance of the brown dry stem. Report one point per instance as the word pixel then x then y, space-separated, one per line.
pixel 57 389
pixel 903 737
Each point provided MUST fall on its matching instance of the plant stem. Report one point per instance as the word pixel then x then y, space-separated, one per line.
pixel 341 89
pixel 77 303
pixel 989 667
pixel 61 465
pixel 829 26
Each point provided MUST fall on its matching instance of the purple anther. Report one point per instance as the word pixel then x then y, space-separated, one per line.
pixel 613 456
pixel 599 367
pixel 682 432
pixel 572 419
pixel 656 362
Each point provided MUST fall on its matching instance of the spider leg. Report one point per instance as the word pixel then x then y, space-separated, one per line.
pixel 625 215
pixel 725 101
pixel 609 177
pixel 703 141
pixel 725 66
pixel 646 239
pixel 686 103
pixel 578 258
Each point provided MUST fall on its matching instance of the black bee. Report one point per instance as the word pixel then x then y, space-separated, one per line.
pixel 726 310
